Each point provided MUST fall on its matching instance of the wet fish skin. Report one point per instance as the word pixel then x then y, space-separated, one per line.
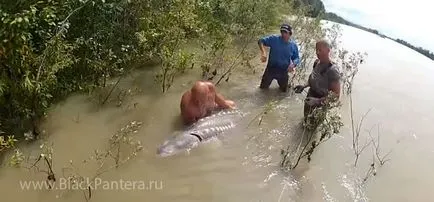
pixel 201 131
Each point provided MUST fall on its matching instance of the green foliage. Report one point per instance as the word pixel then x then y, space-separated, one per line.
pixel 7 143
pixel 306 32
pixel 17 158
pixel 231 31
pixel 52 48
pixel 314 7
pixel 23 57
pixel 166 28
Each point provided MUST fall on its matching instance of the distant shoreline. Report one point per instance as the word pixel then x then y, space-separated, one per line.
pixel 316 9
pixel 336 18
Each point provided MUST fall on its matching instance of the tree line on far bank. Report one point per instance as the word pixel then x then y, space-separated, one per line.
pixel 316 8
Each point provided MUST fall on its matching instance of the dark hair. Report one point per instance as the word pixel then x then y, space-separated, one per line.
pixel 325 43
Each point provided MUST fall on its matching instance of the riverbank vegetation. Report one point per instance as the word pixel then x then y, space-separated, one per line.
pixel 50 49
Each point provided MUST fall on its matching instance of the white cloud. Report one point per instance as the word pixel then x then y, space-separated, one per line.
pixel 408 20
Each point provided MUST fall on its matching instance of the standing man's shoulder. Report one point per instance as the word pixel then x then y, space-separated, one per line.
pixel 293 42
pixel 293 45
pixel 274 36
pixel 334 73
pixel 270 37
pixel 268 40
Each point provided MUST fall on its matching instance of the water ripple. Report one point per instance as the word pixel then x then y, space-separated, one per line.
pixel 327 196
pixel 354 186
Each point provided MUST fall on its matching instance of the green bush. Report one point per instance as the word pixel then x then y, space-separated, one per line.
pixel 49 48
pixel 52 48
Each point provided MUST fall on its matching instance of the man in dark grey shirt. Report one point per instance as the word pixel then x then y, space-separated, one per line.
pixel 324 78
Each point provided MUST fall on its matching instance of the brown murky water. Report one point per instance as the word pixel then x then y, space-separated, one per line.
pixel 395 82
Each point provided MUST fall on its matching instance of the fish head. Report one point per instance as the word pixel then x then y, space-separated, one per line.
pixel 177 144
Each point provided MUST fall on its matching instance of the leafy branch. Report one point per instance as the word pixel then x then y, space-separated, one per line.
pixel 324 121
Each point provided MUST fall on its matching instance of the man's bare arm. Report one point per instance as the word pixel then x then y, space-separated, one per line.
pixel 261 48
pixel 221 101
pixel 188 119
pixel 186 113
pixel 335 87
pixel 335 82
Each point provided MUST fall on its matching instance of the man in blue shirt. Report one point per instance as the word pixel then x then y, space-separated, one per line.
pixel 283 58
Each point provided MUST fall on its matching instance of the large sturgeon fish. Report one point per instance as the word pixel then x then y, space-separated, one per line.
pixel 203 130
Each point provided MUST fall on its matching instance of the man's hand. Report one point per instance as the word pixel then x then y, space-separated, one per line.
pixel 299 88
pixel 311 101
pixel 291 67
pixel 263 57
pixel 230 104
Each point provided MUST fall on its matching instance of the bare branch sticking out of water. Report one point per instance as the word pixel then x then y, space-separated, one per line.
pixel 323 121
pixel 358 150
pixel 45 156
pixel 87 197
pixel 122 148
pixel 121 141
pixel 230 52
pixel 270 106
pixel 235 62
pixel 286 161
pixel 77 118
pixel 113 94
pixel 111 91
pixel 371 171
pixel 381 159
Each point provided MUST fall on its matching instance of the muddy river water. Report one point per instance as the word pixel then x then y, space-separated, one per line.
pixel 394 82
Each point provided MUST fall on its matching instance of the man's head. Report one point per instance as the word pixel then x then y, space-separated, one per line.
pixel 322 50
pixel 199 93
pixel 286 31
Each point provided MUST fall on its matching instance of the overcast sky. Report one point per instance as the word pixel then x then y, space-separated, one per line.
pixel 410 20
